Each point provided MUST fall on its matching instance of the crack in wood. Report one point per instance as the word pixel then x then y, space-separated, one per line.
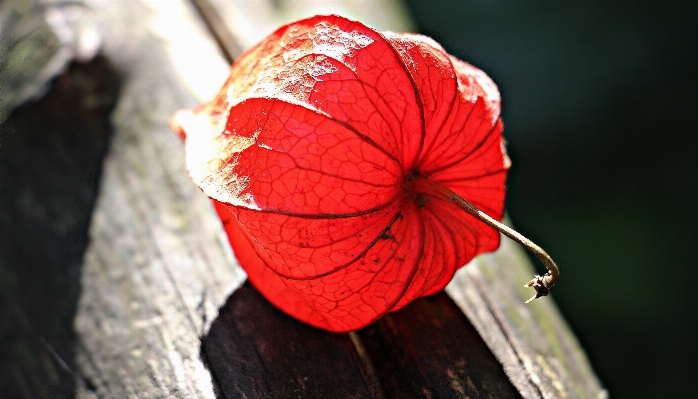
pixel 368 370
pixel 216 26
pixel 479 283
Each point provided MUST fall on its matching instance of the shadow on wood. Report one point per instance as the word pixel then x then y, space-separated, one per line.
pixel 426 350
pixel 429 349
pixel 51 153
pixel 254 350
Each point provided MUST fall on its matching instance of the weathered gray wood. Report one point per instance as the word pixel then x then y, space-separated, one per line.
pixel 158 266
pixel 539 352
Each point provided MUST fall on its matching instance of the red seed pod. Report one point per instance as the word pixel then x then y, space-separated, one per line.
pixel 331 154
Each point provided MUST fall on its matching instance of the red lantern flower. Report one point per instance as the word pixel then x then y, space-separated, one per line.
pixel 332 155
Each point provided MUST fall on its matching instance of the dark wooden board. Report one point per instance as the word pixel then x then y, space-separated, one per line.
pixel 429 349
pixel 253 350
pixel 426 350
pixel 51 153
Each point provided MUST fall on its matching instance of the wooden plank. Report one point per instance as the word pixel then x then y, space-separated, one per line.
pixel 158 266
pixel 429 349
pixel 539 352
pixel 254 350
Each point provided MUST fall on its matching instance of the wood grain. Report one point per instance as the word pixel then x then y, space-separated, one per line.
pixel 158 266
pixel 536 347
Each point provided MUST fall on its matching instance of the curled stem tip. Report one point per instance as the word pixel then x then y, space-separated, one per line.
pixel 541 284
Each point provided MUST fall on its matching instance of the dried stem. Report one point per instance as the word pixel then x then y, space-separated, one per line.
pixel 541 284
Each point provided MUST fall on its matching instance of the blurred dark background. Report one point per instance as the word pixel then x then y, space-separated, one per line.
pixel 599 106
